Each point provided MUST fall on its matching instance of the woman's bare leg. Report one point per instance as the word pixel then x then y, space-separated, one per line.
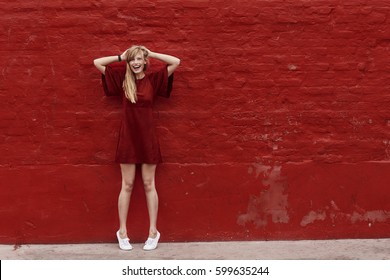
pixel 128 175
pixel 148 177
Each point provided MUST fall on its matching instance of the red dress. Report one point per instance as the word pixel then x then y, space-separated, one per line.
pixel 138 142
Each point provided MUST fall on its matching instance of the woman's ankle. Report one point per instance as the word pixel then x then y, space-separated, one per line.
pixel 122 233
pixel 153 233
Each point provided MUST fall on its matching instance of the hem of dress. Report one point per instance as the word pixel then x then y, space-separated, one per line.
pixel 137 162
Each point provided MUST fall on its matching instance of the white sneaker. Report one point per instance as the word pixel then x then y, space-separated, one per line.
pixel 151 243
pixel 124 243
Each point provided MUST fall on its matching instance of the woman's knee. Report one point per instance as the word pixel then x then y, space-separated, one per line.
pixel 128 175
pixel 127 185
pixel 149 185
pixel 148 173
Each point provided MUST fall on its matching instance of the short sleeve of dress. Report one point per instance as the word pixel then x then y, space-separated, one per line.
pixel 162 84
pixel 113 78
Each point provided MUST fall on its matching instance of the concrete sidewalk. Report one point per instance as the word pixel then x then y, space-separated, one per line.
pixel 345 249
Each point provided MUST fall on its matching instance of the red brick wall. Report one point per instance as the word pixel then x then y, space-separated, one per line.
pixel 278 126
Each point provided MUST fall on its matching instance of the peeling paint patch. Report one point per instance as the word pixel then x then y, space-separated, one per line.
pixel 258 169
pixel 371 216
pixel 272 203
pixel 335 214
pixel 313 216
pixel 30 224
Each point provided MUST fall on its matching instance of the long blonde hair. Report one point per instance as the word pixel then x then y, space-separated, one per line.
pixel 129 86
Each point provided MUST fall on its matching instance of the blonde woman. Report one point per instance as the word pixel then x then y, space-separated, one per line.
pixel 138 142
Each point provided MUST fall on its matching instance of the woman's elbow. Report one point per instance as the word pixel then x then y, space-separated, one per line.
pixel 177 62
pixel 99 66
pixel 95 62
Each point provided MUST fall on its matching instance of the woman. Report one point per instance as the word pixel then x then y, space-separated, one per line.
pixel 138 143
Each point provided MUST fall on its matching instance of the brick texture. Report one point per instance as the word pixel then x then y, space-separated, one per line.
pixel 289 97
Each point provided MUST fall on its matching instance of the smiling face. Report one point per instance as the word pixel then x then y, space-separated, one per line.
pixel 138 63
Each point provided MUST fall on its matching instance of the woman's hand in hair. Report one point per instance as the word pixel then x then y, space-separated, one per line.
pixel 150 53
pixel 172 61
pixel 124 55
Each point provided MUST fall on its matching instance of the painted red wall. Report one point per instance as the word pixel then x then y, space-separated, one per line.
pixel 278 126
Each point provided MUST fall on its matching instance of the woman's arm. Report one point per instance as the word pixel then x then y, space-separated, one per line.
pixel 172 61
pixel 102 62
